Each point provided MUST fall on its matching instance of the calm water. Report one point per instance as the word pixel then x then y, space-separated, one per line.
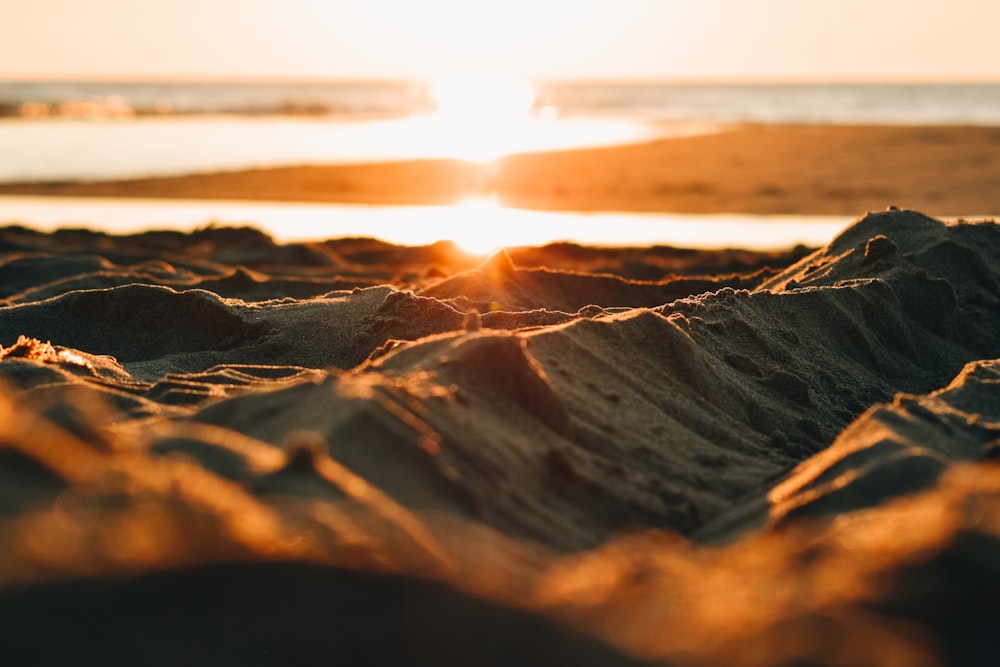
pixel 477 227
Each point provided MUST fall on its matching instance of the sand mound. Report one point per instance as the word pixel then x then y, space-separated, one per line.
pixel 535 437
pixel 897 449
pixel 499 285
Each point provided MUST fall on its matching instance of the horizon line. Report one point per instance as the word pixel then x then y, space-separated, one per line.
pixel 542 80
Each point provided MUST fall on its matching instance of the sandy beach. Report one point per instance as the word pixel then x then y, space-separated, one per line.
pixel 796 169
pixel 218 449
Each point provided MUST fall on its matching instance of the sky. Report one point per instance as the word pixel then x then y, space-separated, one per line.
pixel 929 40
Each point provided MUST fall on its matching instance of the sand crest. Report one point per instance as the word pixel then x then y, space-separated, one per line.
pixel 529 446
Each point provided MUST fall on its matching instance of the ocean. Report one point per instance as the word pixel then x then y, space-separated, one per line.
pixel 809 103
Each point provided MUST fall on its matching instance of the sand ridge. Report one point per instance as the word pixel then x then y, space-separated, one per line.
pixel 741 457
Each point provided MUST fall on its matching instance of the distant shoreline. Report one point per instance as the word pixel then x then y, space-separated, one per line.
pixel 755 169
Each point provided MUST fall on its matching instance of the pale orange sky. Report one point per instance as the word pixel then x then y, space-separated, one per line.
pixel 542 39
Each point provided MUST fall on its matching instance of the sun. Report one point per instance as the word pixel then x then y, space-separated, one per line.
pixel 479 117
pixel 482 97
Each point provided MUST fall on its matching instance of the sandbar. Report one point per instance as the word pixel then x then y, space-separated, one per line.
pixel 755 169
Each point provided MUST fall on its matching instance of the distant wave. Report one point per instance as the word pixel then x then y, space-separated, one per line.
pixel 929 104
pixel 101 100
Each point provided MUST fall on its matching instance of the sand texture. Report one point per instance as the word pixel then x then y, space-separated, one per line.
pixel 215 449
pixel 763 169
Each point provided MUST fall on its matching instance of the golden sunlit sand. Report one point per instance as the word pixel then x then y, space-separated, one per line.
pixel 217 447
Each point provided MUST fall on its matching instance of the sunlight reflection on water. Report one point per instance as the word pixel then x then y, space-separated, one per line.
pixel 477 226
pixel 64 149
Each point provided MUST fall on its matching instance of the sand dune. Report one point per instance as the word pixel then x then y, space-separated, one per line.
pixel 548 456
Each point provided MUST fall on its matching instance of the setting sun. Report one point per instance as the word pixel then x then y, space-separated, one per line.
pixel 479 117
pixel 482 96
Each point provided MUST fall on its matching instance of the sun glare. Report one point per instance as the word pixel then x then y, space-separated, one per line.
pixel 481 226
pixel 482 116
pixel 480 97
